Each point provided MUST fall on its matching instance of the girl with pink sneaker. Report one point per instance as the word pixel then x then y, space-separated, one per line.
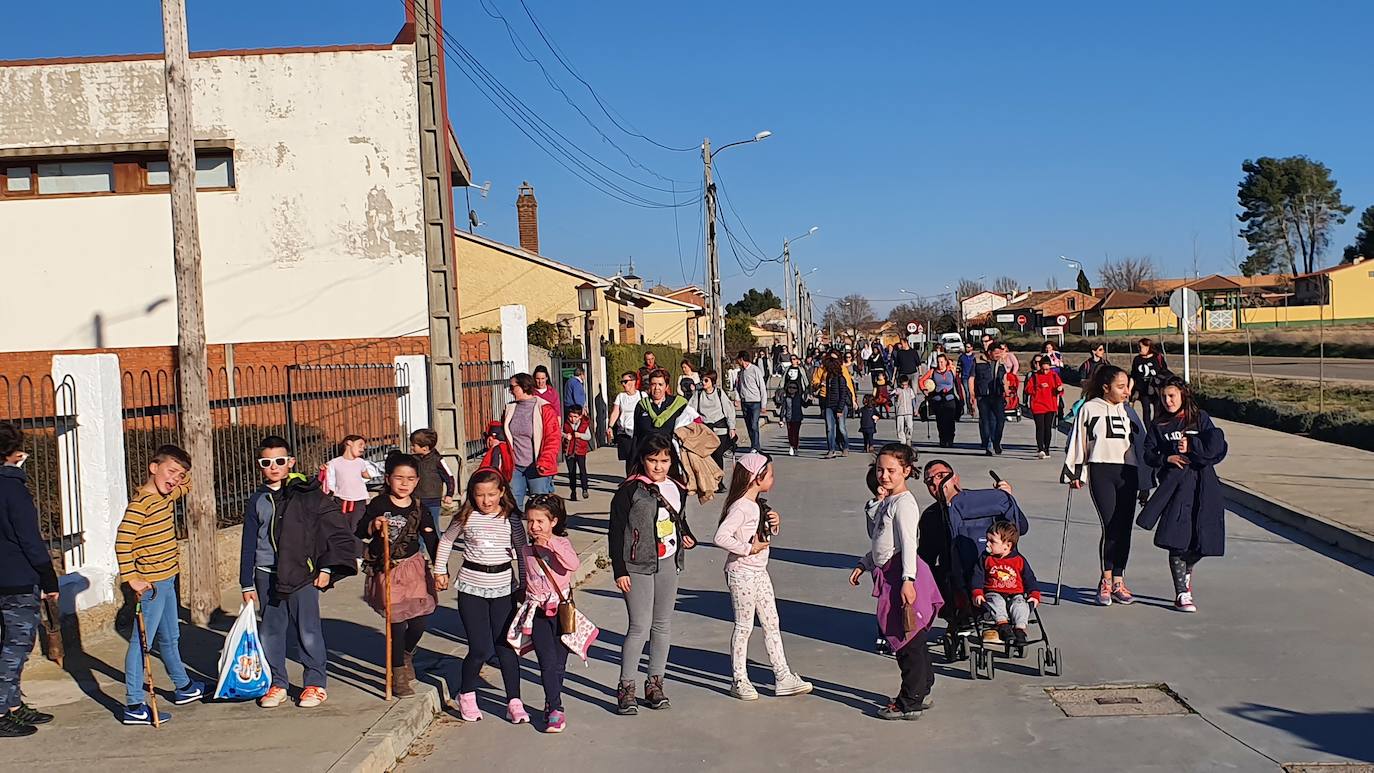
pixel 549 565
pixel 493 536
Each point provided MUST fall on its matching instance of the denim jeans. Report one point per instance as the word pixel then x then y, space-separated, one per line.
pixel 835 429
pixel 298 614
pixel 434 506
pixel 752 411
pixel 164 632
pixel 527 480
pixel 18 626
pixel 1000 608
pixel 992 419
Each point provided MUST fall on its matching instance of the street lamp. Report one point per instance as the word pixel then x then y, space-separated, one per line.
pixel 712 256
pixel 586 303
pixel 788 288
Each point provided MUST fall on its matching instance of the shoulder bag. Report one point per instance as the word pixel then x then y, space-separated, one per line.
pixel 567 611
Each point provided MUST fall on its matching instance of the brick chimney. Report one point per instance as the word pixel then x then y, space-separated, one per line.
pixel 527 211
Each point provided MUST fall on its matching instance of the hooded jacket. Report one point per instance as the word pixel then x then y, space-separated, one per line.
pixel 24 559
pixel 1189 506
pixel 306 533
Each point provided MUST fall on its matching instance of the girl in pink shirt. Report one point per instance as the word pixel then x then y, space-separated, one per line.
pixel 549 563
pixel 746 526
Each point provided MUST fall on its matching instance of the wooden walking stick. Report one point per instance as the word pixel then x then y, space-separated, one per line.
pixel 147 660
pixel 386 589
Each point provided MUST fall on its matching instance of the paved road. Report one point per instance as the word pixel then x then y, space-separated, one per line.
pixel 1273 665
pixel 1285 367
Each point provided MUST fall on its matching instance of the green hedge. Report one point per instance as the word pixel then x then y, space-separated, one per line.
pixel 623 357
pixel 1263 347
pixel 1343 426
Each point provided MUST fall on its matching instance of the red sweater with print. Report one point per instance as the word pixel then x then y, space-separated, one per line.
pixel 1010 575
pixel 1043 391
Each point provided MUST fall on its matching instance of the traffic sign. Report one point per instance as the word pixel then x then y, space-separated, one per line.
pixel 1005 318
pixel 1021 319
pixel 1061 320
pixel 912 327
pixel 1176 301
pixel 1054 330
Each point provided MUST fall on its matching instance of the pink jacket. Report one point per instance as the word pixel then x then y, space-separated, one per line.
pixel 562 561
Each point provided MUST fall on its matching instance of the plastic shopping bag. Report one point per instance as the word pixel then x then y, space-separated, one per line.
pixel 243 670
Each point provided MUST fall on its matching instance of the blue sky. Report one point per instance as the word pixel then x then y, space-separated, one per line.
pixel 927 140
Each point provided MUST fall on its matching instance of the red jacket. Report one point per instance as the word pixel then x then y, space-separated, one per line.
pixel 499 458
pixel 1043 391
pixel 546 435
pixel 577 446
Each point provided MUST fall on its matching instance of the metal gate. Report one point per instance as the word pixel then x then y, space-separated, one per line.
pixel 312 406
pixel 46 412
pixel 484 398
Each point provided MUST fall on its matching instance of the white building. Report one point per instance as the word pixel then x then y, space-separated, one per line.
pixel 978 304
pixel 309 201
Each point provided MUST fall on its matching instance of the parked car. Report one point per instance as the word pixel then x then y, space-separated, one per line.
pixel 953 343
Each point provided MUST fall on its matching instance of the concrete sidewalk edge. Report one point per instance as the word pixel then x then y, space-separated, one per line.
pixel 389 739
pixel 1312 524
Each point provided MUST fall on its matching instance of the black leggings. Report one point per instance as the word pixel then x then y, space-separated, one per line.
pixel 1044 430
pixel 1181 563
pixel 1114 489
pixel 946 417
pixel 918 677
pixel 485 622
pixel 576 464
pixel 405 636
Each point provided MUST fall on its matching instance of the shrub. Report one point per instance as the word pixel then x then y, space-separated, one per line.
pixel 1357 432
pixel 623 357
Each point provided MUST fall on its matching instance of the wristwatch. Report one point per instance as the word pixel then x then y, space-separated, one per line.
pixel 908 579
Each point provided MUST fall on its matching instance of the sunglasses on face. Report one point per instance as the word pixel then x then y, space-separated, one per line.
pixel 279 461
pixel 627 381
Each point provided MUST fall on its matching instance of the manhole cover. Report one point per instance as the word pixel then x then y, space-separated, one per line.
pixel 1133 700
pixel 1327 767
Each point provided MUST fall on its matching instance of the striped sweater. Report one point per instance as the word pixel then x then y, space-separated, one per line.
pixel 146 543
pixel 490 540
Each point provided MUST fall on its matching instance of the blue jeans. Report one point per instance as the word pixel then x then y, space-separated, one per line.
pixel 992 419
pixel 752 411
pixel 299 614
pixel 434 506
pixel 527 480
pixel 835 429
pixel 18 625
pixel 164 632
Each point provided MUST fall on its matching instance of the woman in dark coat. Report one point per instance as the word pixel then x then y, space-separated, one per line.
pixel 1183 447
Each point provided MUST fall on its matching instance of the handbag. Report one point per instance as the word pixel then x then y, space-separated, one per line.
pixel 567 611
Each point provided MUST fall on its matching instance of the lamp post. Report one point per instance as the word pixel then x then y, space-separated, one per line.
pixel 586 303
pixel 788 288
pixel 712 257
pixel 803 309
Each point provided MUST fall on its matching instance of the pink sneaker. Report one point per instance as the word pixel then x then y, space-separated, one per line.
pixel 467 707
pixel 515 712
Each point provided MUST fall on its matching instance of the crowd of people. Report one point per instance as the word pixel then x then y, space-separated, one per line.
pixel 303 535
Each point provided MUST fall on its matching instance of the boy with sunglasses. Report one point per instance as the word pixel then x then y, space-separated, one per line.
pixel 296 544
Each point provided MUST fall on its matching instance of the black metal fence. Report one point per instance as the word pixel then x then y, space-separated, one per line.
pixel 484 398
pixel 312 406
pixel 46 412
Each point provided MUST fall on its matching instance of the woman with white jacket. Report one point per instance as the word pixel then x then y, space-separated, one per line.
pixel 1105 454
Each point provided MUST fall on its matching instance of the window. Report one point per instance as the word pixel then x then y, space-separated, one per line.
pixel 18 179
pixel 76 177
pixel 1073 304
pixel 211 172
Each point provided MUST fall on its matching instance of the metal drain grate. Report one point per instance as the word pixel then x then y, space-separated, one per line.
pixel 1327 767
pixel 1131 700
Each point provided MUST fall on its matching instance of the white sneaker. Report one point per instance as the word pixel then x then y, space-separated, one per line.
pixel 744 691
pixel 791 685
pixel 791 451
pixel 1184 602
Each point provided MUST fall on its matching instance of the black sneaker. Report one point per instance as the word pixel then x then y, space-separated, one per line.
pixel 1019 636
pixel 625 704
pixel 891 712
pixel 998 449
pixel 10 727
pixel 572 497
pixel 31 716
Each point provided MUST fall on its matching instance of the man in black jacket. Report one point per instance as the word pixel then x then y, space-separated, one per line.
pixel 296 545
pixel 25 566
pixel 905 361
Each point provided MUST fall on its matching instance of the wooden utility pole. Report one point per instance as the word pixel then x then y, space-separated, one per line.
pixel 202 586
pixel 445 332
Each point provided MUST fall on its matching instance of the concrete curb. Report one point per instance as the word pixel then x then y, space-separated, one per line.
pixel 1321 528
pixel 389 739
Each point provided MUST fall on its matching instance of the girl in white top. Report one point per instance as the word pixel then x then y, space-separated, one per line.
pixel 620 428
pixel 1104 454
pixel 744 534
pixel 492 535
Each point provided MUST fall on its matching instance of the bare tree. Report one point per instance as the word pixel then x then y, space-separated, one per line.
pixel 1052 283
pixel 922 311
pixel 1006 285
pixel 1128 273
pixel 969 287
pixel 849 313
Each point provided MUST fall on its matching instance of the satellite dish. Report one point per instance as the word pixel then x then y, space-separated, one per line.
pixel 472 219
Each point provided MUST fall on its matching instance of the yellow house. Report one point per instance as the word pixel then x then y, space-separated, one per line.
pixel 672 321
pixel 1348 290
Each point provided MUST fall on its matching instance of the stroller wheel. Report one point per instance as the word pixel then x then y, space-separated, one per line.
pixel 973 665
pixel 1040 660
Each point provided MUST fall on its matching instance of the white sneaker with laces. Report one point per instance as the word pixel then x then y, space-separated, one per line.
pixel 744 691
pixel 791 451
pixel 791 685
pixel 1184 603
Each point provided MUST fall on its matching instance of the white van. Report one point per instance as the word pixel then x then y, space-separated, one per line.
pixel 953 343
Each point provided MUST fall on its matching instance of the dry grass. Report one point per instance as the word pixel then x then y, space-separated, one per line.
pixel 1302 395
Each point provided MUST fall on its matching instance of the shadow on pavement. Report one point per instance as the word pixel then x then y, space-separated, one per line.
pixel 1341 734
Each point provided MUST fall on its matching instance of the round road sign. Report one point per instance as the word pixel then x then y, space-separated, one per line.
pixel 912 327
pixel 1021 319
pixel 1061 319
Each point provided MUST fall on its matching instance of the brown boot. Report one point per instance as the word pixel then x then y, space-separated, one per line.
pixel 653 693
pixel 625 700
pixel 400 681
pixel 409 659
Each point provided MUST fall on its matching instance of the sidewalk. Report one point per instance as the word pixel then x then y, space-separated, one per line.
pixel 355 730
pixel 1319 488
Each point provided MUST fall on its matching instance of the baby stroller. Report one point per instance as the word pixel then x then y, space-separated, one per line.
pixel 967 525
pixel 1013 396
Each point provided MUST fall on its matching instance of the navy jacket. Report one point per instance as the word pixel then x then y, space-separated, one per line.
pixel 308 533
pixel 1189 506
pixel 24 559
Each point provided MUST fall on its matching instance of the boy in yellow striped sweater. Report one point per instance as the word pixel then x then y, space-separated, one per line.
pixel 146 546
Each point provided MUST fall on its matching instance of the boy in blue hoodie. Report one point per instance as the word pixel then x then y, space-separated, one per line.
pixel 25 568
pixel 296 545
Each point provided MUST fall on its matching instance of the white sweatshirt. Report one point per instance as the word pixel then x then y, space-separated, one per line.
pixel 1102 433
pixel 896 529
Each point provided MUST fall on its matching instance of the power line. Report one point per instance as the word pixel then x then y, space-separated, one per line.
pixel 719 180
pixel 524 52
pixel 600 103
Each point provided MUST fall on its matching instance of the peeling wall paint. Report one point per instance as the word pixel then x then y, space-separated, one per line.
pixel 327 206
